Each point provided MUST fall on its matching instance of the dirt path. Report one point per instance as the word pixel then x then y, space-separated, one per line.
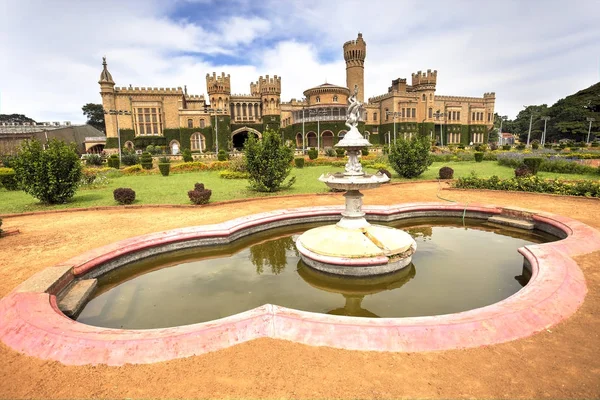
pixel 558 363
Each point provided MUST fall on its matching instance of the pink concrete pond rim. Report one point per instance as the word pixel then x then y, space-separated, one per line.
pixel 31 323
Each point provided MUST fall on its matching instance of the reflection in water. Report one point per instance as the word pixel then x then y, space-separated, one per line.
pixel 272 253
pixel 355 289
pixel 422 232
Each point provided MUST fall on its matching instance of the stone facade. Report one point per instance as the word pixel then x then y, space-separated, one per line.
pixel 178 120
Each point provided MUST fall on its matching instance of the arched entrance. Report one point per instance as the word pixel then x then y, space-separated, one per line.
pixel 311 138
pixel 96 149
pixel 327 139
pixel 239 136
pixel 174 146
pixel 298 140
pixel 129 145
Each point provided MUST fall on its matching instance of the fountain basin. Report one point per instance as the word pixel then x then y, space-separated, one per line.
pixel 31 322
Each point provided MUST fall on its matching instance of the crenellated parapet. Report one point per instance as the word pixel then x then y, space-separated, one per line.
pixel 355 52
pixel 460 99
pixel 235 97
pixel 424 79
pixel 218 84
pixel 148 90
pixel 266 86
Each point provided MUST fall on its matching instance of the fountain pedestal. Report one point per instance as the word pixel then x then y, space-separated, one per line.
pixel 354 247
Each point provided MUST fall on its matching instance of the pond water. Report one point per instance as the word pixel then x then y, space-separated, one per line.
pixel 458 266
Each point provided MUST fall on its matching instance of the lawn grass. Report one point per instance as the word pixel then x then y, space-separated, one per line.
pixel 156 189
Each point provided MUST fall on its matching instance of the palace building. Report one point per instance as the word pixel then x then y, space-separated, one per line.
pixel 221 120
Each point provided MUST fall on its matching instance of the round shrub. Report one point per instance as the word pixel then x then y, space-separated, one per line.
pixel 222 155
pixel 150 149
pixel 364 151
pixel 481 147
pixel 187 155
pixel 520 146
pixel 93 159
pixel 330 152
pixel 535 145
pixel 8 179
pixel 446 173
pixel 478 156
pixel 299 162
pixel 113 161
pixel 410 158
pixel 313 154
pixel 199 195
pixel 146 160
pixel 506 147
pixel 51 175
pixel 533 163
pixel 339 152
pixel 124 195
pixel 522 170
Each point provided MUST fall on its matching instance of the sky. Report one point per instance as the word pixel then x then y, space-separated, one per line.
pixel 526 51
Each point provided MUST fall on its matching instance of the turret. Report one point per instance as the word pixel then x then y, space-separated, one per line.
pixel 107 91
pixel 219 90
pixel 355 52
pixel 269 90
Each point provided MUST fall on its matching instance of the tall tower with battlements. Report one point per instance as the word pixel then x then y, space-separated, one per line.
pixel 269 90
pixel 355 52
pixel 219 90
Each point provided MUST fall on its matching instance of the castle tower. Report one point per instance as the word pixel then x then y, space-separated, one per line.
pixel 355 52
pixel 219 90
pixel 423 84
pixel 270 94
pixel 107 91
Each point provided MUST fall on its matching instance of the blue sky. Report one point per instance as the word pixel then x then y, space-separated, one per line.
pixel 528 51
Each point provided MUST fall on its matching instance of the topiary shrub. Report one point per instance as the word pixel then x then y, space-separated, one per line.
pixel 410 158
pixel 522 170
pixel 478 156
pixel 535 145
pixel 364 151
pixel 187 155
pixel 268 162
pixel 51 175
pixel 339 152
pixel 313 154
pixel 446 173
pixel 533 163
pixel 150 149
pixel 113 161
pixel 124 195
pixel 330 152
pixel 199 195
pixel 481 147
pixel 146 160
pixel 520 146
pixel 164 165
pixel 129 159
pixel 222 155
pixel 8 179
pixel 506 147
pixel 299 162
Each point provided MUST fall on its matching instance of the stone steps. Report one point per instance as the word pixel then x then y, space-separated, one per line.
pixel 76 296
pixel 515 223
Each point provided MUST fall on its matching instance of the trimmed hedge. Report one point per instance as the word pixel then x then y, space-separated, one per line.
pixel 227 174
pixel 124 195
pixel 113 161
pixel 312 154
pixel 146 160
pixel 533 183
pixel 478 157
pixel 522 170
pixel 222 155
pixel 533 163
pixel 299 162
pixel 8 179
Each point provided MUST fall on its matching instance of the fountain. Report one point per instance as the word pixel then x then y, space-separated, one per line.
pixel 353 246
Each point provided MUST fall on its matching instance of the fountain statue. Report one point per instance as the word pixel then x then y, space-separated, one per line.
pixel 354 247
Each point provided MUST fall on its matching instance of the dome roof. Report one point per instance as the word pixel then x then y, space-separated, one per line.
pixel 327 88
pixel 105 76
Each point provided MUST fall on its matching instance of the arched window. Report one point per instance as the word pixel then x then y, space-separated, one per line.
pixel 190 123
pixel 202 123
pixel 318 99
pixel 335 99
pixel 341 134
pixel 430 112
pixel 298 140
pixel 327 139
pixel 387 117
pixel 424 97
pixel 129 145
pixel 367 135
pixel 311 138
pixel 197 141
pixel 174 147
pixel 374 116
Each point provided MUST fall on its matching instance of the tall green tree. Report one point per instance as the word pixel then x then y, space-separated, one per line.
pixel 95 115
pixel 268 162
pixel 520 124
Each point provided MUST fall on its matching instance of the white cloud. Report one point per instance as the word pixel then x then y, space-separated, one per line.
pixel 527 52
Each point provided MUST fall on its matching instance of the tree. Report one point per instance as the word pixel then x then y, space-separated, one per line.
pixel 410 158
pixel 95 115
pixel 268 162
pixel 15 118
pixel 50 175
pixel 521 123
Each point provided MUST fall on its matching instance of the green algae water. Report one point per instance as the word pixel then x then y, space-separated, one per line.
pixel 457 267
